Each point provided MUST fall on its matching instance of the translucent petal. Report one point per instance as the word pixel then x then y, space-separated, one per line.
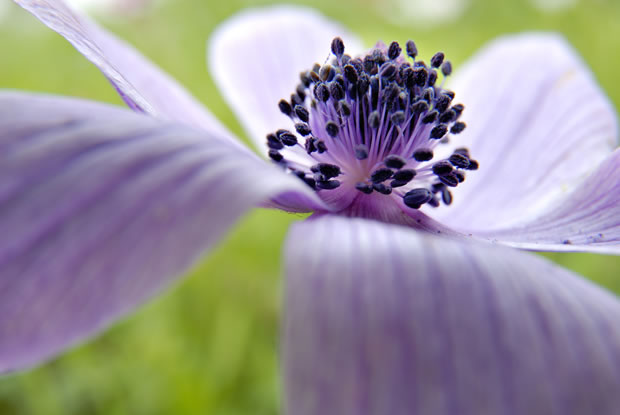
pixel 381 319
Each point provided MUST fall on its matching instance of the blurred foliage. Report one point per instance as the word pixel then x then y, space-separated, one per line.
pixel 210 345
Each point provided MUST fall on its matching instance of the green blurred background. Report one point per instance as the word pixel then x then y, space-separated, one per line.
pixel 210 344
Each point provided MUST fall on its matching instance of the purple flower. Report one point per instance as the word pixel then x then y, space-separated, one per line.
pixel 401 297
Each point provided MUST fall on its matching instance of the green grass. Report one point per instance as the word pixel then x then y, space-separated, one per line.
pixel 210 344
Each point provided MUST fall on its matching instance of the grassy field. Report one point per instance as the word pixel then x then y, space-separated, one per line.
pixel 210 345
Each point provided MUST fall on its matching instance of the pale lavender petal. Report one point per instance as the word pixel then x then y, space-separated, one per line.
pixel 537 122
pixel 587 220
pixel 141 84
pixel 257 55
pixel 100 208
pixel 296 202
pixel 381 320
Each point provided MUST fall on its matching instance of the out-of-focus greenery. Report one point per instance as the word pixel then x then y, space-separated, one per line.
pixel 210 345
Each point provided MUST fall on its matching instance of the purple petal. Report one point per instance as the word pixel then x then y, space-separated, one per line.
pixel 296 202
pixel 587 220
pixel 257 55
pixel 141 84
pixel 537 122
pixel 381 320
pixel 100 209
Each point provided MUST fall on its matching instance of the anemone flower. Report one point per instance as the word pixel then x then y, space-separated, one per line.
pixel 403 294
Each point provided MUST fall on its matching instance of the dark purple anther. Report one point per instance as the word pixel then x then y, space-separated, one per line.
pixel 381 175
pixel 338 47
pixel 437 60
pixel 457 127
pixel 405 175
pixel 381 188
pixel 438 131
pixel 394 161
pixel 302 113
pixel 412 50
pixel 394 50
pixel 332 128
pixel 423 154
pixel 364 187
pixel 417 197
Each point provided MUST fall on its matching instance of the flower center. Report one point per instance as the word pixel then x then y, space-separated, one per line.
pixel 371 124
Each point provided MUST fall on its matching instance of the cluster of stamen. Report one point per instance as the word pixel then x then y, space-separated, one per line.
pixel 372 123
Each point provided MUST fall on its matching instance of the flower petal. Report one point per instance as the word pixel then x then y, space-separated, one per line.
pixel 537 122
pixel 257 55
pixel 587 220
pixel 141 84
pixel 380 320
pixel 100 208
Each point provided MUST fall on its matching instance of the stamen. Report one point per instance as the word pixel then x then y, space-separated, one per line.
pixel 417 197
pixel 473 165
pixel 437 60
pixel 432 77
pixel 361 152
pixel 442 103
pixel 275 155
pixel 321 92
pixel 381 188
pixel 326 73
pixel 430 117
pixel 449 179
pixel 442 168
pixel 381 175
pixel 364 187
pixel 274 142
pixel 336 91
pixel 374 119
pixel 439 131
pixel 458 109
pixel 389 71
pixel 394 161
pixel 285 107
pixel 302 128
pixel 326 169
pixel 344 108
pixel 446 196
pixel 412 51
pixel 457 127
pixel 371 124
pixel 332 128
pixel 350 73
pixel 338 47
pixel 302 113
pixel 421 75
pixel 459 160
pixel 405 175
pixel 423 154
pixel 288 138
pixel 446 70
pixel 447 116
pixel 327 184
pixel 398 118
pixel 394 50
